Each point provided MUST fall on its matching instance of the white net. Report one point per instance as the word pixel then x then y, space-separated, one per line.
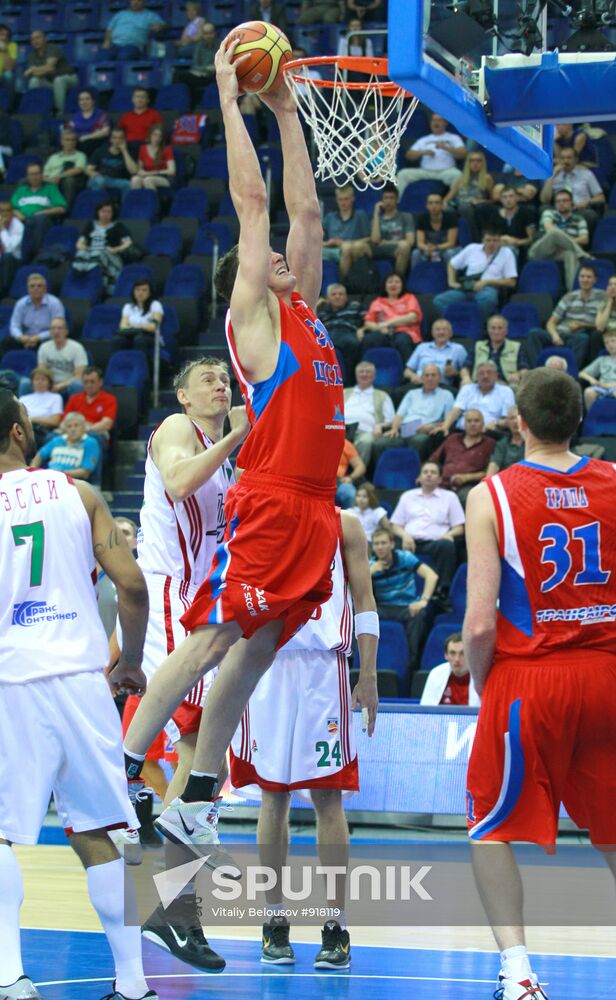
pixel 357 131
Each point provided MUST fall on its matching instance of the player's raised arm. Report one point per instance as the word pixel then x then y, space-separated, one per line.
pixel 183 469
pixel 305 240
pixel 484 577
pixel 355 552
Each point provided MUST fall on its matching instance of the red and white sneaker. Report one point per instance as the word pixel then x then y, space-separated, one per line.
pixel 528 989
pixel 128 845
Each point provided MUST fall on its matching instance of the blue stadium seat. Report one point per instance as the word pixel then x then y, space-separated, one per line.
pixel 88 285
pixel 164 241
pixel 86 203
pixel 203 242
pixel 20 361
pixel 604 236
pixel 457 599
pixel 16 17
pixel 434 649
pixel 397 469
pixel 331 274
pixel 540 276
pixel 465 318
pixel 601 418
pixel 522 317
pixel 605 160
pixel 128 276
pixel 89 47
pixel 427 278
pixel 121 99
pixel 185 280
pixel 562 352
pixel 139 74
pixel 604 269
pixel 212 163
pixel 169 329
pixel 102 323
pixel 173 97
pixel 80 19
pixel 103 75
pixel 393 652
pixel 210 97
pixel 65 236
pixel 388 363
pixel 140 205
pixel 46 17
pixel 16 170
pixel 464 233
pixel 127 368
pixel 414 196
pixel 191 203
pixel 19 284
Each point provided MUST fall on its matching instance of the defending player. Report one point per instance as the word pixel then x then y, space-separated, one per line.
pixel 56 710
pixel 297 732
pixel 273 569
pixel 545 663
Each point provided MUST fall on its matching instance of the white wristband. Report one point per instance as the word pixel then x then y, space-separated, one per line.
pixel 367 623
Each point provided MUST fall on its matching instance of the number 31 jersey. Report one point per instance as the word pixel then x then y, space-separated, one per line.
pixel 558 554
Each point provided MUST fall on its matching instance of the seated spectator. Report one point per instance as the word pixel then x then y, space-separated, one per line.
pixel 99 408
pixel 396 577
pixel 191 33
pixel 485 394
pixel 350 44
pixel 202 70
pixel 37 204
pixel 67 168
pixel 74 451
pixel 11 238
pixel 562 235
pixel 470 191
pixel 427 520
pixel 439 155
pixel 369 511
pixel 112 166
pixel 451 359
pixel 141 318
pixel 270 11
pixel 463 458
pixel 568 136
pixel 557 362
pixel 393 232
pixel 32 315
pixel 526 190
pixel 346 232
pixel 321 12
pixel 90 124
pixel 128 31
pixel 368 408
pixel 393 319
pixel 437 232
pixel 8 55
pixel 450 683
pixel 478 272
pixel 156 162
pixel 606 314
pixel 367 10
pixel 44 407
pixel 48 67
pixel 601 373
pixel 515 221
pixel 351 470
pixel 343 320
pixel 136 124
pixel 419 416
pixel 569 175
pixel 66 359
pixel 573 321
pixel 509 356
pixel 102 244
pixel 510 448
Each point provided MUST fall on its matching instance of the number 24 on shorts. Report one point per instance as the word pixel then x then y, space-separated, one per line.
pixel 327 756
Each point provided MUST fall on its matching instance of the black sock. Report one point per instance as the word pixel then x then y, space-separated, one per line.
pixel 133 766
pixel 200 788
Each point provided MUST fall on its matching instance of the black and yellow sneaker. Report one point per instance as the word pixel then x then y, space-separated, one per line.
pixel 275 947
pixel 335 950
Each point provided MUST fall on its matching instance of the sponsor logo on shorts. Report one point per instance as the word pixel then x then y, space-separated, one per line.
pixel 256 601
pixel 253 746
pixel 332 726
pixel 30 613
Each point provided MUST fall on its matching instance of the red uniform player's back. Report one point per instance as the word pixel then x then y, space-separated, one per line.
pixel 558 550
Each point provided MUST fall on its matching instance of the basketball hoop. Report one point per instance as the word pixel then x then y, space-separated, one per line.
pixel 357 125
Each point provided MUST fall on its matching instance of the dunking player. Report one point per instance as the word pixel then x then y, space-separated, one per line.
pixel 297 732
pixel 56 710
pixel 273 569
pixel 545 662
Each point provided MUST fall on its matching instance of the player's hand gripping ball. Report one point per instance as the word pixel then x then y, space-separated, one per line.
pixel 265 49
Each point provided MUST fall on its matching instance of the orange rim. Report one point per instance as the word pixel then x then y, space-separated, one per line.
pixel 354 64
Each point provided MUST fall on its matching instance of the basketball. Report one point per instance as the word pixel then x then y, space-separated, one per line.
pixel 268 50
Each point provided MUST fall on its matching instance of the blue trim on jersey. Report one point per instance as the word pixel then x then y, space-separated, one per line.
pixel 222 556
pixel 513 602
pixel 546 468
pixel 286 366
pixel 513 778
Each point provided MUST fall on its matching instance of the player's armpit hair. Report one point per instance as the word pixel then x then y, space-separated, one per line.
pixel 226 272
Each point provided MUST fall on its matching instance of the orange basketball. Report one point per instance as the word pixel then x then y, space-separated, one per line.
pixel 268 49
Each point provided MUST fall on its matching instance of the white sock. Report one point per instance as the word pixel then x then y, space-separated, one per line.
pixel 341 918
pixel 106 891
pixel 515 963
pixel 11 898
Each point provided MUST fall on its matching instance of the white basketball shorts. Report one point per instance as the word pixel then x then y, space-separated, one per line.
pixel 62 735
pixel 297 731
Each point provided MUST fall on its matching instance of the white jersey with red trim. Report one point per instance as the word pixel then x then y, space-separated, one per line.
pixel 49 620
pixel 179 539
pixel 331 626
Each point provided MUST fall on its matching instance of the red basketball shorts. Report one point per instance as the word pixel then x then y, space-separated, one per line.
pixel 161 747
pixel 275 561
pixel 546 734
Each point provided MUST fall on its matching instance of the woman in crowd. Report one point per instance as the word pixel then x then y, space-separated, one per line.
pixel 102 244
pixel 141 318
pixel 369 511
pixel 393 319
pixel 44 407
pixel 90 123
pixel 471 190
pixel 156 162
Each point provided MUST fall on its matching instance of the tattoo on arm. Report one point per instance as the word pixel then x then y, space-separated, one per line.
pixel 113 540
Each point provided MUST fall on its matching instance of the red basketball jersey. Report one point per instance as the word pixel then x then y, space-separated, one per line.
pixel 296 415
pixel 558 551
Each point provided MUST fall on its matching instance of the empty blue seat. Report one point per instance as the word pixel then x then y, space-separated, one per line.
pixel 457 599
pixel 164 241
pixel 102 322
pixel 213 163
pixel 562 352
pixel 103 75
pixel 86 203
pixel 185 280
pixel 191 203
pixel 19 284
pixel 393 652
pixel 434 649
pixel 16 18
pixel 139 74
pixel 140 205
pixel 127 368
pixel 521 317
pixel 169 329
pixel 88 48
pixel 388 364
pixel 414 196
pixel 65 236
pixel 20 361
pixel 80 20
pixel 601 418
pixel 121 99
pixel 129 275
pixel 203 242
pixel 88 285
pixel 173 97
pixel 427 278
pixel 465 318
pixel 540 276
pixel 397 469
pixel 210 97
pixel 604 236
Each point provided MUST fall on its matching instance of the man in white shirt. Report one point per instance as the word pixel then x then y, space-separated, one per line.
pixel 367 407
pixel 420 415
pixel 487 266
pixel 427 520
pixel 450 683
pixel 487 395
pixel 438 154
pixel 11 237
pixel 65 359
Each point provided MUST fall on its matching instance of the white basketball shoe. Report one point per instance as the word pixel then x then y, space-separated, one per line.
pixel 528 989
pixel 196 824
pixel 22 989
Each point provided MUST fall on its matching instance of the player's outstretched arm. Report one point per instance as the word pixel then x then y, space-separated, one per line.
pixel 183 469
pixel 355 550
pixel 305 240
pixel 113 554
pixel 484 577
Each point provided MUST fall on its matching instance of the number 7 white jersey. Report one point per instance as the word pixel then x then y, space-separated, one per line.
pixel 49 620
